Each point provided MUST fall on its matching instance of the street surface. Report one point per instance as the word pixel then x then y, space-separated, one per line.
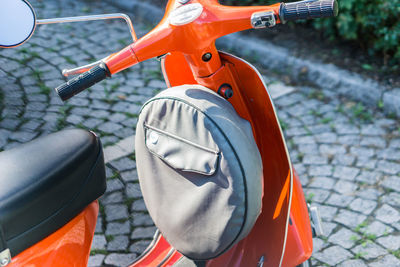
pixel 347 156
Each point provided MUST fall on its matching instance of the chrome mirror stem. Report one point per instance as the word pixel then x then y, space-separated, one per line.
pixel 79 70
pixel 91 18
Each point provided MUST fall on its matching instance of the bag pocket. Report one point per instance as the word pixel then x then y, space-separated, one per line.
pixel 179 153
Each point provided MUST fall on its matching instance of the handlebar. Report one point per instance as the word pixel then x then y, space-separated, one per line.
pixel 194 40
pixel 308 9
pixel 83 81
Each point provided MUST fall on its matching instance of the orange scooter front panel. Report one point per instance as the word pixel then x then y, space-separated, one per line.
pixel 299 243
pixel 67 247
pixel 266 241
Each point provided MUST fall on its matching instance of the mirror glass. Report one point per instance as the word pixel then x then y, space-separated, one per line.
pixel 17 22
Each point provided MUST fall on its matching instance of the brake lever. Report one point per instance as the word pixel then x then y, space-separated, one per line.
pixel 81 69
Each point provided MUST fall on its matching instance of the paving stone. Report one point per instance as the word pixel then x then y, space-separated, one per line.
pixel 362 151
pixel 124 164
pixel 386 261
pixel 346 160
pixel 110 140
pixel 352 140
pixel 329 228
pixel 390 242
pixel 388 167
pixel 133 191
pixel 344 238
pixel 332 149
pixel 143 233
pixel 113 198
pixel 314 160
pixel 74 119
pixel 373 142
pixel 349 218
pixel 333 255
pixel 320 170
pixel 138 205
pixel 372 129
pixel 139 246
pixel 369 251
pixel 157 84
pixel 392 199
pixel 369 177
pixel 392 182
pixel 322 182
pixel 114 185
pixel 118 243
pixel 141 219
pixel 117 117
pixel 318 244
pixel 92 123
pixel 326 138
pixel 22 137
pixel 368 193
pixel 362 205
pixel 116 212
pixel 378 229
pixel 118 259
pixel 339 200
pixel 109 127
pixel 364 162
pixel 99 114
pixel 346 129
pixel 96 260
pixel 352 263
pixel 307 148
pixel 387 214
pixel 343 172
pixel 124 132
pixel 389 154
pixel 99 225
pixel 113 152
pixel 319 195
pixel 31 125
pixel 345 187
pixel 99 242
pixel 116 228
pixel 129 176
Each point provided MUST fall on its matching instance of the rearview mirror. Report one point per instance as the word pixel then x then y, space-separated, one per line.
pixel 17 22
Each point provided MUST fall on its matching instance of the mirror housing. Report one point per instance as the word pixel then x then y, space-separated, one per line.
pixel 17 22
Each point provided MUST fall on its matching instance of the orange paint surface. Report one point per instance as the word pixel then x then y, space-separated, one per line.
pixel 192 39
pixel 67 247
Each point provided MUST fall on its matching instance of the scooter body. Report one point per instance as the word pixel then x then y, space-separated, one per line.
pixel 282 232
pixel 68 246
pixel 184 39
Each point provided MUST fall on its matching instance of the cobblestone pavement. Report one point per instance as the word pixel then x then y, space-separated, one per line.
pixel 348 157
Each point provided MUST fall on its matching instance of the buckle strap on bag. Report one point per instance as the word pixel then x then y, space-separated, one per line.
pixel 5 254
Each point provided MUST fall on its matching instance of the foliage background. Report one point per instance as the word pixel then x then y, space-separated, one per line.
pixel 374 25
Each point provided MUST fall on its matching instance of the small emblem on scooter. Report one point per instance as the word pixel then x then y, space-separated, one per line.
pixel 185 14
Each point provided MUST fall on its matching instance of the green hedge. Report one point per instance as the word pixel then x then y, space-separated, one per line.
pixel 373 24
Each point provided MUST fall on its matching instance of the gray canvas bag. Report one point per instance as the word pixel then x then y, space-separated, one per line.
pixel 199 170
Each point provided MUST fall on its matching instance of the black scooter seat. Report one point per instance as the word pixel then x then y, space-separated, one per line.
pixel 47 182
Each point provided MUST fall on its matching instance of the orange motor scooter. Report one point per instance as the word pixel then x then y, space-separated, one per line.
pixel 41 227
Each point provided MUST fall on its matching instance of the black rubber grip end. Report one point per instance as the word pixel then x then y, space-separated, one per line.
pixel 308 9
pixel 83 81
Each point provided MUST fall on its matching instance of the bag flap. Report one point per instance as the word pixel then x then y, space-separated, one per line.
pixel 179 153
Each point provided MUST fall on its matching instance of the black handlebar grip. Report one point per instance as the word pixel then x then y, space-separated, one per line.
pixel 308 9
pixel 83 81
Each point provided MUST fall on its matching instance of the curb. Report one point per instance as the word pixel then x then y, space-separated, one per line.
pixel 332 80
